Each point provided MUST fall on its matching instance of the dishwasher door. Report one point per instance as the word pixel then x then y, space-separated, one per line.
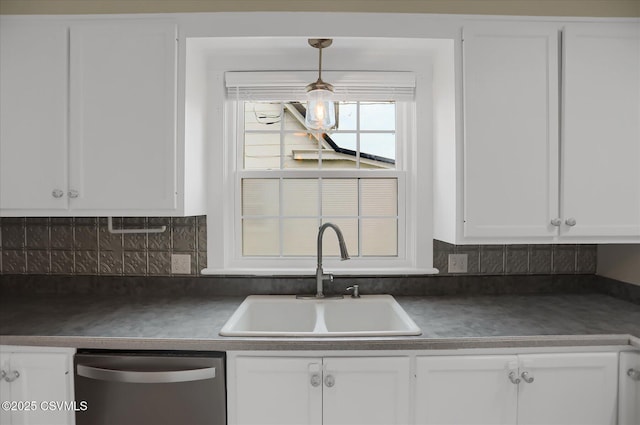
pixel 170 388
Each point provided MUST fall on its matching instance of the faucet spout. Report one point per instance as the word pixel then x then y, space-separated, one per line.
pixel 344 255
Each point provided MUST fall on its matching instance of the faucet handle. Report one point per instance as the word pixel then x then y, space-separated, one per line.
pixel 356 291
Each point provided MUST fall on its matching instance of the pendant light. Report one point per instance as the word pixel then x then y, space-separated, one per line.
pixel 321 114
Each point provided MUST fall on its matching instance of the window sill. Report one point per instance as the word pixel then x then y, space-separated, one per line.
pixel 311 272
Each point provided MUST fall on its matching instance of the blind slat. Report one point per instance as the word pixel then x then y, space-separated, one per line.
pixel 348 85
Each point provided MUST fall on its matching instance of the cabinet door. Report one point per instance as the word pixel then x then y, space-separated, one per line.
pixel 568 389
pixel 276 390
pixel 629 403
pixel 601 130
pixel 5 388
pixel 466 390
pixel 33 115
pixel 366 390
pixel 123 116
pixel 43 377
pixel 510 130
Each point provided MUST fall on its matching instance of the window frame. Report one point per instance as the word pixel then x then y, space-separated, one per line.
pixel 415 243
pixel 282 173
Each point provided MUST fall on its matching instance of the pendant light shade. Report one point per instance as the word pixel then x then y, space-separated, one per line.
pixel 321 114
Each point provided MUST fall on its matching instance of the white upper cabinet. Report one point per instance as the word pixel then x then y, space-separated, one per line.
pixel 551 144
pixel 511 129
pixel 123 115
pixel 33 115
pixel 601 130
pixel 90 119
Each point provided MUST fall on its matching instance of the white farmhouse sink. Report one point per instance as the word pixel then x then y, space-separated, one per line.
pixel 285 315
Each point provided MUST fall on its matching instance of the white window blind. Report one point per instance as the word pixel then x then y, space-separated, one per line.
pixel 348 85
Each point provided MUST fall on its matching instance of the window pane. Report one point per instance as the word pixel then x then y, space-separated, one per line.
pixel 340 151
pixel 300 150
pixel 299 236
pixel 260 197
pixel 260 236
pixel 345 140
pixel 340 197
pixel 379 237
pixel 294 116
pixel 261 151
pixel 349 228
pixel 377 116
pixel 379 145
pixel 379 197
pixel 262 115
pixel 300 197
pixel 347 116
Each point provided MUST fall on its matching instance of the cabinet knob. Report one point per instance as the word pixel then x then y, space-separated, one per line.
pixel 12 376
pixel 634 374
pixel 329 381
pixel 57 193
pixel 556 222
pixel 513 377
pixel 528 379
pixel 315 380
pixel 570 221
pixel 73 194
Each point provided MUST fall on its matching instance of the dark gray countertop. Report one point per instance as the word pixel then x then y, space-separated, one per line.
pixel 193 323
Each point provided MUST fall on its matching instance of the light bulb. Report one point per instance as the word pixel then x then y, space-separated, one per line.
pixel 320 110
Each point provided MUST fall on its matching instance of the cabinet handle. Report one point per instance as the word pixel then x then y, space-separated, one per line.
pixel 329 381
pixel 513 377
pixel 634 374
pixel 528 379
pixel 73 194
pixel 12 376
pixel 315 380
pixel 570 222
pixel 57 193
pixel 556 222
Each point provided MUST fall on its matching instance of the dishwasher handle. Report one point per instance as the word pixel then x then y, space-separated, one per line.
pixel 155 377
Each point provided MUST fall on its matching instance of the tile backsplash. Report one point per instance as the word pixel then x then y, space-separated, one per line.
pixel 519 259
pixel 84 246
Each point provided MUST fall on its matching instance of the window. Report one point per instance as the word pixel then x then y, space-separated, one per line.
pixel 280 182
pixel 291 181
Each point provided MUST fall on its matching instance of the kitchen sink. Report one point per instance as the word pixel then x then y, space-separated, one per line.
pixel 285 315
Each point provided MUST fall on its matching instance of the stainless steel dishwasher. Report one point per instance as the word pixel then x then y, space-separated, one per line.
pixel 143 387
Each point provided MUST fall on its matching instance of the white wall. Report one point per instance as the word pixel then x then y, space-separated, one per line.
pixel 621 262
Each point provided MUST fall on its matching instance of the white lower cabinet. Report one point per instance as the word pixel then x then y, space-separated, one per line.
pixel 466 390
pixel 318 390
pixel 562 388
pixel 272 390
pixel 629 388
pixel 366 390
pixel 36 382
